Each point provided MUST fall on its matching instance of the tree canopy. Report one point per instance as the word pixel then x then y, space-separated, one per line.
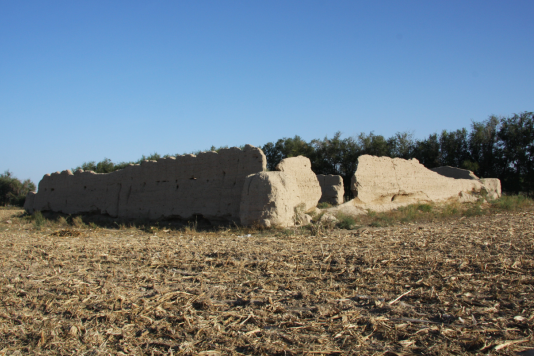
pixel 12 190
pixel 499 147
pixel 495 148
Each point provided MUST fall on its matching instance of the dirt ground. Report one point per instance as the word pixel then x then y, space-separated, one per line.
pixel 462 286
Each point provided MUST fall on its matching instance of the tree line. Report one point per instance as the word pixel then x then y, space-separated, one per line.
pixel 12 190
pixel 499 147
pixel 107 166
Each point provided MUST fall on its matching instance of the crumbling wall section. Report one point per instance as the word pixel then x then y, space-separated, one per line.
pixel 209 185
pixel 332 189
pixel 492 187
pixel 382 180
pixel 272 198
pixel 309 190
pixel 269 199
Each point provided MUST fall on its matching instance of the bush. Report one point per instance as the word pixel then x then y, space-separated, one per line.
pixel 38 220
pixel 13 191
pixel 408 213
pixel 324 205
pixel 371 213
pixel 344 221
pixel 512 202
pixel 381 220
pixel 78 222
pixel 61 221
pixel 450 210
pixel 474 210
pixel 425 208
pixel 287 232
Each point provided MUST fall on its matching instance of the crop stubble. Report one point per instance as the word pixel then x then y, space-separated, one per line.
pixel 452 287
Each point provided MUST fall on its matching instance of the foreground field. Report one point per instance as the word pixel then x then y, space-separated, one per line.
pixel 452 287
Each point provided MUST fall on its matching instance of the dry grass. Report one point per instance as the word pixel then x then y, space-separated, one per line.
pixel 453 286
pixel 435 213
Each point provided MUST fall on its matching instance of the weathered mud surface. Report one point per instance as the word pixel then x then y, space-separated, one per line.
pixel 207 185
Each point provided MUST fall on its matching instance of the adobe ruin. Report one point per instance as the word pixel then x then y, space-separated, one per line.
pixel 207 185
pixel 233 185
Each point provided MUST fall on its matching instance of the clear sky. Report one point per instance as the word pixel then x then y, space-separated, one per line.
pixel 85 80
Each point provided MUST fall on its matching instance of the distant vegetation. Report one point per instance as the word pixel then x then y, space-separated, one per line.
pixel 107 166
pixel 496 148
pixel 12 190
pixel 499 147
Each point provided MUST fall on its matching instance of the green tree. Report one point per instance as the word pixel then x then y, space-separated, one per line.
pixel 12 190
pixel 107 166
pixel 427 151
pixel 498 147
pixel 86 166
pixel 372 144
pixel 104 166
pixel 273 154
pixel 401 145
pixel 454 148
pixel 284 148
pixel 483 148
pixel 152 157
pixel 516 151
pixel 336 156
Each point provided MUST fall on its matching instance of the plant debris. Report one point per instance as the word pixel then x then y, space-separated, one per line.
pixel 66 233
pixel 462 286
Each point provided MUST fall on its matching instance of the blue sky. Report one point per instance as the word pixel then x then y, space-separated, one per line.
pixel 85 80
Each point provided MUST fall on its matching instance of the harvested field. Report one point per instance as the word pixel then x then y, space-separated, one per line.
pixel 462 286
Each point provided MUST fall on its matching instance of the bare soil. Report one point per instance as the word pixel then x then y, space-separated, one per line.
pixel 463 286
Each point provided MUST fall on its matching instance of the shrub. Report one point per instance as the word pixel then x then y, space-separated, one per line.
pixel 474 210
pixel 287 232
pixel 62 221
pixel 425 208
pixel 512 202
pixel 38 220
pixel 371 213
pixel 382 219
pixel 78 222
pixel 344 221
pixel 450 210
pixel 324 205
pixel 408 213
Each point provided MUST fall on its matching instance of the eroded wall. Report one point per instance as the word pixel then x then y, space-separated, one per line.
pixel 209 184
pixel 332 189
pixel 381 180
pixel 274 198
